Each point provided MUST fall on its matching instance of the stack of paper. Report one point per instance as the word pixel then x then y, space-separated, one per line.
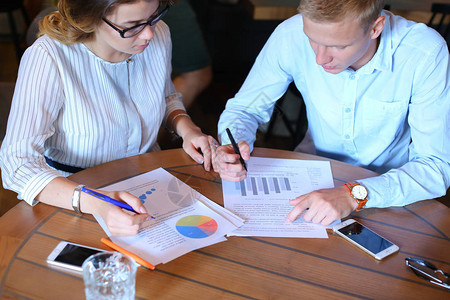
pixel 262 199
pixel 184 220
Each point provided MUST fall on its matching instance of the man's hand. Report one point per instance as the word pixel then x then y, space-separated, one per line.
pixel 226 162
pixel 324 206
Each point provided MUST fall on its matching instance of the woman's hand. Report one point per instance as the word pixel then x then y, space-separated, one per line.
pixel 199 146
pixel 119 222
pixel 59 192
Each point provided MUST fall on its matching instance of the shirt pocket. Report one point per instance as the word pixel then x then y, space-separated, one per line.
pixel 383 119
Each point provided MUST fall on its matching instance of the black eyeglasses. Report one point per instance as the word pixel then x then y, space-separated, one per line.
pixel 428 271
pixel 132 31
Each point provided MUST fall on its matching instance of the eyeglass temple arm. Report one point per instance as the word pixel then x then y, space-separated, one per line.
pixel 429 274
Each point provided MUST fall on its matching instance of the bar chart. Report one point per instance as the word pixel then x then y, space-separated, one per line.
pixel 263 185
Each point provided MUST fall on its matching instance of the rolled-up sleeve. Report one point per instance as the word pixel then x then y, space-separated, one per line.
pixel 35 106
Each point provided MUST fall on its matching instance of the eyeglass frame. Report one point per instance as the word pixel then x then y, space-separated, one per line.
pixel 430 273
pixel 151 22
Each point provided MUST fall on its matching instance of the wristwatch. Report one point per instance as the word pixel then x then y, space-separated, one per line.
pixel 76 199
pixel 358 192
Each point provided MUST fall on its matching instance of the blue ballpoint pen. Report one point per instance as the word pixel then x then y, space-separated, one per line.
pixel 109 200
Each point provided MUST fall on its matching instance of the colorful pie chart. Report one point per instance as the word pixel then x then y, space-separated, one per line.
pixel 196 226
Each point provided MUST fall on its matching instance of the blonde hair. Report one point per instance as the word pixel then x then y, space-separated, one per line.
pixel 76 20
pixel 366 11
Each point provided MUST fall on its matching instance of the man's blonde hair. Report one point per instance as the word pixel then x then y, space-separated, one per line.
pixel 333 11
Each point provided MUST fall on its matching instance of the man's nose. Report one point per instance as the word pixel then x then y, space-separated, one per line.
pixel 322 55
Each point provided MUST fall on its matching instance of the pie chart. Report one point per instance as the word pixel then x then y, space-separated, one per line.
pixel 196 226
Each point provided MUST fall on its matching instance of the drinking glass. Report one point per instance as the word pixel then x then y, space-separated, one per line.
pixel 109 275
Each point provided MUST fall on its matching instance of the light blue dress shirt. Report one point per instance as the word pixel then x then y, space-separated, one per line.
pixel 391 116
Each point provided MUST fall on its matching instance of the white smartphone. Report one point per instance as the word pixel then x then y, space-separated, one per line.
pixel 70 256
pixel 366 239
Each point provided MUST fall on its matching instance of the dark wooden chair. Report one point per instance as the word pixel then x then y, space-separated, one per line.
pixel 8 7
pixel 445 199
pixel 296 128
pixel 441 10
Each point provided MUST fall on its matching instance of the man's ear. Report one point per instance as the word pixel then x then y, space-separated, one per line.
pixel 377 27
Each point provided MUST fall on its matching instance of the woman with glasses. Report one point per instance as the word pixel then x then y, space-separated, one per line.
pixel 95 87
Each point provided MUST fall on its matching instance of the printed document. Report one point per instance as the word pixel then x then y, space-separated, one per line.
pixel 184 220
pixel 262 199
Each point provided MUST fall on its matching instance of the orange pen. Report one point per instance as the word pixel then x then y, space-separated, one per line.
pixel 136 258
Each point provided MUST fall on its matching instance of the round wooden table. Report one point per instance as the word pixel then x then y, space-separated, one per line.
pixel 242 267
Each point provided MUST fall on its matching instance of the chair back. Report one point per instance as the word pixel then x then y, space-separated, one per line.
pixel 442 10
pixel 10 5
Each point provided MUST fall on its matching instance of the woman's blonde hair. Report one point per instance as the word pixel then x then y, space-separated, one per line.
pixel 76 20
pixel 366 11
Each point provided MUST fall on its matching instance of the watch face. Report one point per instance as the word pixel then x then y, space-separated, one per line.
pixel 359 192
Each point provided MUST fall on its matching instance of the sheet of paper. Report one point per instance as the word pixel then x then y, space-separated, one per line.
pixel 184 220
pixel 262 199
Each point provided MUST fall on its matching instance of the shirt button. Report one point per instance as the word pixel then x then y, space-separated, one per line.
pixel 352 76
pixel 347 136
pixel 347 110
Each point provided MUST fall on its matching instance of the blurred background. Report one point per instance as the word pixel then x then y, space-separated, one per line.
pixel 233 40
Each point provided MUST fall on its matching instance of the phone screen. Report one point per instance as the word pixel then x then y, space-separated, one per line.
pixel 75 255
pixel 365 237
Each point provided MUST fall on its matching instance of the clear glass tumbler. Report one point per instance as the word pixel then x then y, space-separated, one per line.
pixel 109 275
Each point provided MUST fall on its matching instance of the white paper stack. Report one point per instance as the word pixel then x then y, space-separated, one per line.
pixel 262 199
pixel 185 220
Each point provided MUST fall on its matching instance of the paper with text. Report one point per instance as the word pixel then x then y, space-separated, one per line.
pixel 184 220
pixel 262 199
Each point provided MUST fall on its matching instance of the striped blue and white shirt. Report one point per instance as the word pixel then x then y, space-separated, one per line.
pixel 80 110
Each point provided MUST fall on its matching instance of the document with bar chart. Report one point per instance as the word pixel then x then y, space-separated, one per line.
pixel 262 199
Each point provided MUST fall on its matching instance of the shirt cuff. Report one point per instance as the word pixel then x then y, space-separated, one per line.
pixel 36 184
pixel 173 102
pixel 379 190
pixel 238 135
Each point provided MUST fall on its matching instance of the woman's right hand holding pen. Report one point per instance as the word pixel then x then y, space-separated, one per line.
pixel 60 192
pixel 226 162
pixel 119 222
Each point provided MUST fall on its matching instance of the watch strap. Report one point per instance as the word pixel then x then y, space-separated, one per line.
pixel 76 199
pixel 361 204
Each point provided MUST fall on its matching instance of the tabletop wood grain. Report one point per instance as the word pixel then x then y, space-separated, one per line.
pixel 240 268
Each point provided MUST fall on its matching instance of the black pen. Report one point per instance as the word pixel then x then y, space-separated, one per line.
pixel 236 149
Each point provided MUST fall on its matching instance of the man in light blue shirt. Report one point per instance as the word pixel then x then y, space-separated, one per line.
pixel 376 90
